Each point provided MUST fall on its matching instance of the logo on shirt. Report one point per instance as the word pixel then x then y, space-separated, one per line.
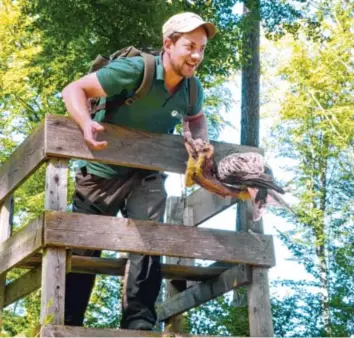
pixel 177 114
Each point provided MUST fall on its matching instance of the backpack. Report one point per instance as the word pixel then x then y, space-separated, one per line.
pixel 145 85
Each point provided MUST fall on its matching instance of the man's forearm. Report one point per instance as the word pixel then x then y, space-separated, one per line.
pixel 199 127
pixel 76 104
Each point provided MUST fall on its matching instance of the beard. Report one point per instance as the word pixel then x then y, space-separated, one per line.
pixel 182 70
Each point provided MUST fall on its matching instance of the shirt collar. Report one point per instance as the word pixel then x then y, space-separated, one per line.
pixel 160 74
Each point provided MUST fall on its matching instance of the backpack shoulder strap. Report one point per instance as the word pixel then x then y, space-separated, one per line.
pixel 193 93
pixel 148 78
pixel 145 85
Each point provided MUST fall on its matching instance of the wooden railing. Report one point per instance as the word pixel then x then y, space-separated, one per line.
pixel 41 246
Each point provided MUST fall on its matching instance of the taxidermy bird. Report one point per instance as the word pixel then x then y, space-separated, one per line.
pixel 241 175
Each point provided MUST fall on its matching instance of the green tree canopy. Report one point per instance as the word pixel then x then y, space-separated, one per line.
pixel 315 130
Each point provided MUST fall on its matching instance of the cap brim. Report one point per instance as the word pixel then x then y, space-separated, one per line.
pixel 210 28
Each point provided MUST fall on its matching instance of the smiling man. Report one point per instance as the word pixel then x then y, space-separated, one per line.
pixel 106 189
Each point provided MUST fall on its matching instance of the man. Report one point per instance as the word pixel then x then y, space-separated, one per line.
pixel 105 189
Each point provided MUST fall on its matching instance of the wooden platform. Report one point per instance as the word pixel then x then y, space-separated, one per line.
pixel 44 245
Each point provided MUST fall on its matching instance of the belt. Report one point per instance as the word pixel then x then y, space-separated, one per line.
pixel 154 176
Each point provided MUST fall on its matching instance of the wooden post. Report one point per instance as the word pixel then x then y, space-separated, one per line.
pixel 188 219
pixel 177 214
pixel 259 310
pixel 54 259
pixel 6 211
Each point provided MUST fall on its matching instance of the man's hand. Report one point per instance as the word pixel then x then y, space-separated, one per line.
pixel 75 96
pixel 90 130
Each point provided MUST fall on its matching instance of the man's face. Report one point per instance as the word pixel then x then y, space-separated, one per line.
pixel 187 52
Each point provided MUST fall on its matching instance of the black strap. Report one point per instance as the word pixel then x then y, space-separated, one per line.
pixel 148 78
pixel 111 107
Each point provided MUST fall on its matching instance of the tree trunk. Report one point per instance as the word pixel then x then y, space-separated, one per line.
pixel 249 99
pixel 321 239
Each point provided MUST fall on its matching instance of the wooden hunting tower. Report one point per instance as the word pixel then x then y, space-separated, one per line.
pixel 43 246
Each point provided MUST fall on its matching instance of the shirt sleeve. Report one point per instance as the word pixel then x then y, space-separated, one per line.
pixel 200 99
pixel 124 74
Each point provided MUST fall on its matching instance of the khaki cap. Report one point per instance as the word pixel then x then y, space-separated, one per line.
pixel 186 22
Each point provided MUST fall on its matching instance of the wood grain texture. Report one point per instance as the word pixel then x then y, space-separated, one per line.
pixel 54 259
pixel 174 215
pixel 56 188
pixel 126 147
pixel 76 331
pixel 5 233
pixel 23 286
pixel 31 281
pixel 28 156
pixel 205 291
pixel 115 267
pixel 259 308
pixel 137 236
pixel 21 245
pixel 53 286
pixel 6 210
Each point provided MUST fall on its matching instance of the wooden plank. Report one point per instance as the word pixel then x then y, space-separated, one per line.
pixel 6 215
pixel 146 237
pixel 53 286
pixel 56 188
pixel 23 286
pixel 126 147
pixel 6 210
pixel 31 281
pixel 259 308
pixel 205 291
pixel 22 163
pixel 115 267
pixel 54 259
pixel 188 219
pixel 174 215
pixel 21 245
pixel 206 205
pixel 77 331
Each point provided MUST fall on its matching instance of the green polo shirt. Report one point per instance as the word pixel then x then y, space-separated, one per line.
pixel 152 113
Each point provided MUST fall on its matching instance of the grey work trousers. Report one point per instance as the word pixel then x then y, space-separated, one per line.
pixel 138 197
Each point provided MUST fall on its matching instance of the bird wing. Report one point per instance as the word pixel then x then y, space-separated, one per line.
pixel 239 163
pixel 263 181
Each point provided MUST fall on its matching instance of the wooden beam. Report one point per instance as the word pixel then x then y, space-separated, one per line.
pixel 53 286
pixel 31 280
pixel 259 308
pixel 6 210
pixel 115 267
pixel 152 238
pixel 23 286
pixel 174 215
pixel 205 291
pixel 54 259
pixel 77 331
pixel 126 147
pixel 28 156
pixel 206 205
pixel 21 245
